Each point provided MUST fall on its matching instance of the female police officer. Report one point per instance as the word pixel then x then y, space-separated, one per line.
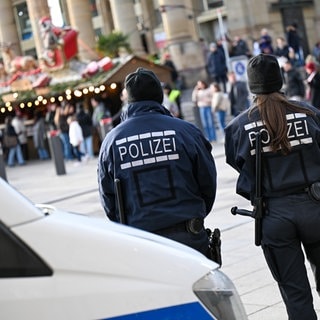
pixel 290 135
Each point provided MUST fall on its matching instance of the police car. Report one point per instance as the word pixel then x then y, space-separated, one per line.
pixel 62 265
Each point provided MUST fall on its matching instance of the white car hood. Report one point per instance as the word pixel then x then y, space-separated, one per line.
pixel 15 208
pixel 54 235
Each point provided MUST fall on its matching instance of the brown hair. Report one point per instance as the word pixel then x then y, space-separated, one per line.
pixel 273 109
pixel 216 86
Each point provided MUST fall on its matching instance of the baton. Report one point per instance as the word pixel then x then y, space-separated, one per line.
pixel 118 191
pixel 257 213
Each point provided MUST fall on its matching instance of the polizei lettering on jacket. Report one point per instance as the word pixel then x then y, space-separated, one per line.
pixel 146 148
pixel 297 132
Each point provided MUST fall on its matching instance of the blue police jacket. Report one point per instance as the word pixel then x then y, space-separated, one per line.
pixel 165 166
pixel 281 174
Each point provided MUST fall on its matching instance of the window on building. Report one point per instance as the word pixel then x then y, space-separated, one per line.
pixel 31 52
pixel 212 4
pixel 24 23
pixel 93 7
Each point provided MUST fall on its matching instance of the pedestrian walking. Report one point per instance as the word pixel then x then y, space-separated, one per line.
pixel 11 143
pixel 39 136
pixel 75 137
pixel 85 121
pixel 202 97
pixel 220 105
pixel 290 136
pixel 294 86
pixel 217 65
pixel 61 115
pixel 294 42
pixel 238 94
pixel 18 122
pixel 265 41
pixel 168 62
pixel 174 96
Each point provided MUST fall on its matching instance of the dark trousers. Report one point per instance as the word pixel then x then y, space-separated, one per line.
pixel 78 154
pixel 289 223
pixel 24 149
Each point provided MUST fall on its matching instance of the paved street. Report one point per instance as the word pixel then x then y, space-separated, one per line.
pixel 243 262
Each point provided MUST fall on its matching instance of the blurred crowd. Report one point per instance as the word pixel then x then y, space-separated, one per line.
pixel 223 94
pixel 218 97
pixel 80 127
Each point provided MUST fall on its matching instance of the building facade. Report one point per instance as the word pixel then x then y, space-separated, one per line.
pixel 155 26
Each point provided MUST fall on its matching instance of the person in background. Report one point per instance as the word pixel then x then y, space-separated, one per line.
pixel 316 52
pixel 313 82
pixel 49 117
pixel 282 49
pixel 220 105
pixel 167 62
pixel 294 86
pixel 85 121
pixel 265 42
pixel 202 97
pixel 239 47
pixel 174 97
pixel 116 119
pixel 21 130
pixel 14 150
pixel 255 47
pixel 75 137
pixel 61 115
pixel 238 94
pixel 169 182
pixel 290 151
pixel 99 112
pixel 293 40
pixel 169 104
pixel 39 136
pixel 217 66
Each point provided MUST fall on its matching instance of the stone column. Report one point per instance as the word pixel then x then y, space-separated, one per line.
pixel 8 28
pixel 37 9
pixel 125 20
pixel 104 10
pixel 182 40
pixel 177 21
pixel 80 19
pixel 9 38
pixel 64 11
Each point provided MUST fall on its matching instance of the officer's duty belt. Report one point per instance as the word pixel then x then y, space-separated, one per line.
pixel 313 191
pixel 193 226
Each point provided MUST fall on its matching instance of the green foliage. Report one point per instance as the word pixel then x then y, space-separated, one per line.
pixel 109 45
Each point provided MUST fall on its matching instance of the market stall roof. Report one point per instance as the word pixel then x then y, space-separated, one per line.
pixel 123 67
pixel 131 64
pixel 117 74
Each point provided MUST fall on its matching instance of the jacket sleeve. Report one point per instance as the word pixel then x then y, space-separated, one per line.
pixel 232 133
pixel 236 151
pixel 206 173
pixel 106 184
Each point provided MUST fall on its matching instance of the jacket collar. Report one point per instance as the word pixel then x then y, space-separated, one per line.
pixel 143 107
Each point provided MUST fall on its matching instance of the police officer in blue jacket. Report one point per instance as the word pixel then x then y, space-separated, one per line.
pixel 290 134
pixel 164 164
